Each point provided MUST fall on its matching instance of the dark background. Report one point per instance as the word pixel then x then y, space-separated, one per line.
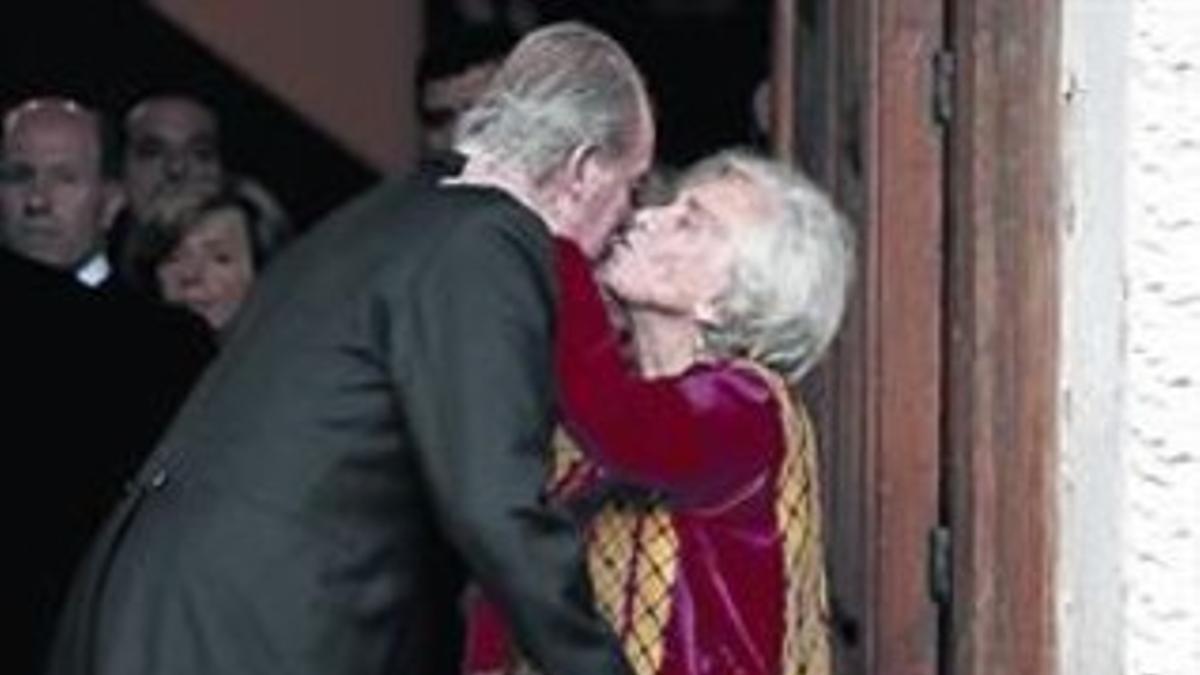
pixel 701 67
pixel 110 53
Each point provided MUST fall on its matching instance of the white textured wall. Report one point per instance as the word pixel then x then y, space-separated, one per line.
pixel 1129 563
pixel 1161 434
pixel 1091 523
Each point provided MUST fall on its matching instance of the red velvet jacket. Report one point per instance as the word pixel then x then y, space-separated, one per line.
pixel 709 441
pixel 690 569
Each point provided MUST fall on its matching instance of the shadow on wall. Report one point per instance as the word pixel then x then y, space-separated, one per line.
pixel 109 53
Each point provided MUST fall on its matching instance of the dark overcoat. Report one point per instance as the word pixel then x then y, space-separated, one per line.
pixel 88 382
pixel 374 429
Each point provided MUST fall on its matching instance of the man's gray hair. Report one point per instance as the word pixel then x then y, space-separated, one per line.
pixel 563 86
pixel 791 273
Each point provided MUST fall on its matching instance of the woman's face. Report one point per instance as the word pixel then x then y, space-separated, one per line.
pixel 678 258
pixel 211 269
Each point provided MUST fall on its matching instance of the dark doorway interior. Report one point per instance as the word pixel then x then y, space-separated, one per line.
pixel 702 60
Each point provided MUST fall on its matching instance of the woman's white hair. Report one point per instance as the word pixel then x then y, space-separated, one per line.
pixel 791 272
pixel 563 86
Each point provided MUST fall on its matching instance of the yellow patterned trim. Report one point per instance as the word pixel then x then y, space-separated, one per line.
pixel 806 648
pixel 636 547
pixel 633 561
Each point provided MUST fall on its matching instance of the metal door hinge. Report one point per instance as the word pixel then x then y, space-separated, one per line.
pixel 940 565
pixel 944 67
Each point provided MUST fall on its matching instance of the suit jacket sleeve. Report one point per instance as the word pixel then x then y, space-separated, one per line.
pixel 474 370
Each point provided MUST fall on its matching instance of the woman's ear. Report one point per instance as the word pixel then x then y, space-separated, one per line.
pixel 705 313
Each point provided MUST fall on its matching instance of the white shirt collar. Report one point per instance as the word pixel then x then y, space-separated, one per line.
pixel 94 271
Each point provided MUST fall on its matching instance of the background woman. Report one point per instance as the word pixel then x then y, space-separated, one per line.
pixel 204 253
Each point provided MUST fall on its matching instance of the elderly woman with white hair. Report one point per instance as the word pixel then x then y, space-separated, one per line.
pixel 694 468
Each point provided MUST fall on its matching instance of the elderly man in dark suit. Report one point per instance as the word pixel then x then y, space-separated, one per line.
pixel 380 415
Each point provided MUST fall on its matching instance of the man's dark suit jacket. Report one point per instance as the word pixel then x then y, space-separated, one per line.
pixel 378 417
pixel 88 382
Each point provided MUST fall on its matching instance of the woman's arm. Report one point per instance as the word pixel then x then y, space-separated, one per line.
pixel 699 436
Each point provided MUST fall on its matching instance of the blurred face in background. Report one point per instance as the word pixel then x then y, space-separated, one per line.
pixel 211 269
pixel 444 99
pixel 172 147
pixel 53 196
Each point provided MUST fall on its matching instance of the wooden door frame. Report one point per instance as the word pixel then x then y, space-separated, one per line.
pixel 1003 332
pixel 862 126
pixel 947 364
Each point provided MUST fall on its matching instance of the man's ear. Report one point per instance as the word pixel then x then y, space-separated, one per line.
pixel 114 200
pixel 581 167
pixel 567 186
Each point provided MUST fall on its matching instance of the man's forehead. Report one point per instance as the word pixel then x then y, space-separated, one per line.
pixel 51 130
pixel 172 117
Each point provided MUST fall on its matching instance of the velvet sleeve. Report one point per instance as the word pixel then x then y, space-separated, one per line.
pixel 700 437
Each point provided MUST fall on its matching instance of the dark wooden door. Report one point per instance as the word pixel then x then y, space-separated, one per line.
pixel 865 124
pixel 932 122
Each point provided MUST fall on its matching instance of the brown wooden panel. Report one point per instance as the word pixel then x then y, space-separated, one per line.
pixel 836 392
pixel 864 129
pixel 1002 308
pixel 906 183
pixel 783 78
